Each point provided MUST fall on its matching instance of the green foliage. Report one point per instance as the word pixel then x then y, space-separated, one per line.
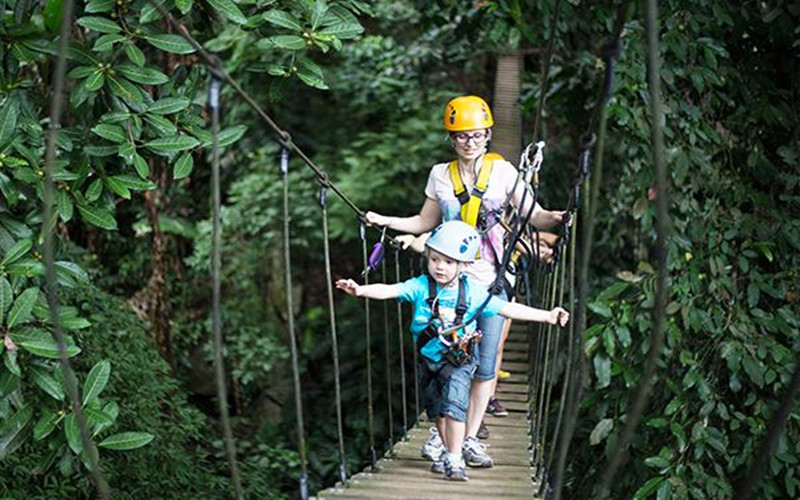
pixel 733 316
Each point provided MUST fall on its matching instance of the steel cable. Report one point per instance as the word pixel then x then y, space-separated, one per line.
pixel 373 458
pixel 298 396
pixel 323 203
pixel 216 265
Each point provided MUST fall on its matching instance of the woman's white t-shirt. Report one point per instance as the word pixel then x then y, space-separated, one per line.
pixel 501 182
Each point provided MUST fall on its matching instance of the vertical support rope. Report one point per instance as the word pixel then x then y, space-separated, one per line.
pixel 570 346
pixel 546 69
pixel 298 395
pixel 49 221
pixel 642 392
pixel 216 265
pixel 590 204
pixel 387 360
pixel 401 345
pixel 544 360
pixel 550 362
pixel 414 357
pixel 323 202
pixel 373 458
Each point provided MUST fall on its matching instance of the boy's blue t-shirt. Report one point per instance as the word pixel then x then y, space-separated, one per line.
pixel 415 291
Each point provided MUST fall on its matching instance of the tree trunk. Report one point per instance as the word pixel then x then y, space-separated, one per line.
pixel 507 138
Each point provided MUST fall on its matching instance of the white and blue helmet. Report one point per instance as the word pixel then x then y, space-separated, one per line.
pixel 455 239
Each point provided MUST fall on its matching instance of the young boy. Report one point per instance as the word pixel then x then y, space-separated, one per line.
pixel 443 299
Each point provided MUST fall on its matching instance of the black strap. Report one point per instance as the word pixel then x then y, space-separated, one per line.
pixel 430 332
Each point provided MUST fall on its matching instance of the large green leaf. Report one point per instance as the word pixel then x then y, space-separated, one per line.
pixel 144 75
pixel 118 188
pixel 168 105
pixel 141 166
pixel 41 343
pixel 95 81
pixel 20 312
pixel 288 42
pixel 283 19
pixel 96 381
pixel 98 420
pixel 183 167
pixel 127 440
pixel 46 382
pixel 94 190
pixel 106 42
pixel 162 125
pixel 113 133
pixel 97 6
pixel 73 433
pixel 172 144
pixel 8 120
pixel 134 183
pixel 16 252
pixel 135 54
pixel 6 296
pixel 13 431
pixel 184 6
pixel 343 31
pixel 230 135
pixel 100 24
pixel 97 216
pixel 125 89
pixel 318 13
pixel 46 424
pixel 228 9
pixel 65 206
pixel 171 43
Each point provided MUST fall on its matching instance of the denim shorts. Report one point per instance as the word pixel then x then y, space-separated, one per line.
pixel 445 388
pixel 492 329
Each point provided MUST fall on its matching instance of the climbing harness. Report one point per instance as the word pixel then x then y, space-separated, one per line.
pixel 471 200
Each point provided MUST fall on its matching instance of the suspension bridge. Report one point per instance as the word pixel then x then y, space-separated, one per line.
pixel 402 473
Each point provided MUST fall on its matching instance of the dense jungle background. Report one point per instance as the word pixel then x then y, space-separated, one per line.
pixel 361 87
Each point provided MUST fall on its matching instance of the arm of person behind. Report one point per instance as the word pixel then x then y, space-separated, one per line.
pixel 513 310
pixel 541 218
pixel 429 216
pixel 415 243
pixel 377 291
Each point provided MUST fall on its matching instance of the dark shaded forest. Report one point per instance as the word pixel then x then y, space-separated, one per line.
pixel 361 87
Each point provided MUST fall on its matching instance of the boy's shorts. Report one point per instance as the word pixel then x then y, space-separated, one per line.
pixel 445 387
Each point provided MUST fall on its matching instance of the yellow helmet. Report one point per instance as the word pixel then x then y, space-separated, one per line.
pixel 467 112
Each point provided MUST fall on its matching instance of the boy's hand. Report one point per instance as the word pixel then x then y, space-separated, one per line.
pixel 559 316
pixel 349 286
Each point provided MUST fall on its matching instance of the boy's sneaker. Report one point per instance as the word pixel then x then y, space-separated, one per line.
pixel 433 447
pixel 437 467
pixel 474 453
pixel 496 409
pixel 454 471
pixel 483 431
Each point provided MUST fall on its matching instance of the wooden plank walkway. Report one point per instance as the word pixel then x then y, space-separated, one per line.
pixel 403 474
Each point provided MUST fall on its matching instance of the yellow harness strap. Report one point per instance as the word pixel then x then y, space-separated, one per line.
pixel 471 202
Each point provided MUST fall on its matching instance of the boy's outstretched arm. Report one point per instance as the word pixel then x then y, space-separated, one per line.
pixel 556 316
pixel 378 291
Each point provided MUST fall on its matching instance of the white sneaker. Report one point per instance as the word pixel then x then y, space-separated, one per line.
pixel 434 447
pixel 475 453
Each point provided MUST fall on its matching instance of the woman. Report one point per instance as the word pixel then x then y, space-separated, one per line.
pixel 473 188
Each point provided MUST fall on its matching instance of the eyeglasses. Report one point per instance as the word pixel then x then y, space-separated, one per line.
pixel 464 138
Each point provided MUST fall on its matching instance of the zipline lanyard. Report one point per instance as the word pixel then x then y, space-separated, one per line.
pixel 323 203
pixel 298 395
pixel 49 221
pixel 373 456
